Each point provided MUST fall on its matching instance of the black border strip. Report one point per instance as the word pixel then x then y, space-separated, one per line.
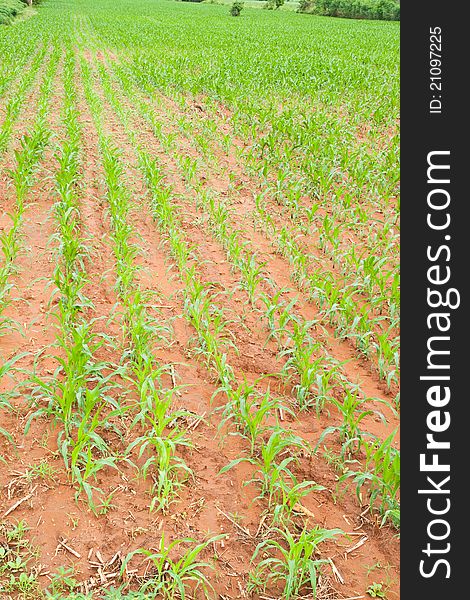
pixel 423 411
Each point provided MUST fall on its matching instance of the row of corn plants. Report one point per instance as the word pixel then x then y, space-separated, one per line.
pixel 79 393
pixel 16 102
pixel 21 176
pixel 144 332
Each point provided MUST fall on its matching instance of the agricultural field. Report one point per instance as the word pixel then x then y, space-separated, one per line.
pixel 199 304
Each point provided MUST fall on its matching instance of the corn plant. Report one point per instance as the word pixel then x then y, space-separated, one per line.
pixel 291 562
pixel 350 432
pixel 162 438
pixel 381 477
pixel 249 410
pixel 173 577
pixel 274 462
pixel 287 495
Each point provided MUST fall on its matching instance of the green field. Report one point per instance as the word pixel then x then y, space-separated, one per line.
pixel 199 303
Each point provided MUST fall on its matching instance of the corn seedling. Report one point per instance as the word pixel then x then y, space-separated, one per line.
pixel 292 562
pixel 173 577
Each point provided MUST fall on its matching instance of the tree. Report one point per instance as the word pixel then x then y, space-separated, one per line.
pixel 236 8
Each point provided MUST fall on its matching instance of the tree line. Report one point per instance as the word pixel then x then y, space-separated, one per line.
pixel 388 10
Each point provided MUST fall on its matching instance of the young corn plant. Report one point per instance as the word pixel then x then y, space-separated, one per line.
pixel 291 563
pixel 318 376
pixel 381 477
pixel 290 493
pixel 249 409
pixel 161 441
pixel 273 463
pixel 88 451
pixel 350 432
pixel 171 577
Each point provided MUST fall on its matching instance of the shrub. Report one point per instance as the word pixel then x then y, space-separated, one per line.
pixel 9 9
pixel 272 4
pixel 305 6
pixel 236 8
